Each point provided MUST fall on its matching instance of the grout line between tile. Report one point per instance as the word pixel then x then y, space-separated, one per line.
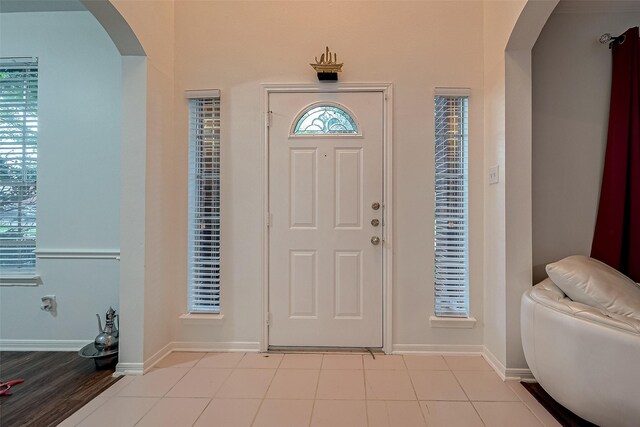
pixel 203 411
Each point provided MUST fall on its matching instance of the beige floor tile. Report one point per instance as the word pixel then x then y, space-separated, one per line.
pixel 229 413
pixel 246 384
pixel 449 414
pixel 394 414
pixel 180 359
pixel 436 385
pixel 341 384
pixel 383 361
pixel 518 389
pixel 339 413
pixel 429 363
pixel 119 411
pixel 170 412
pixel 200 382
pixel 260 361
pixel 543 416
pixel 220 360
pixel 485 386
pixel 118 386
pixel 388 385
pixel 301 361
pixel 342 361
pixel 506 414
pixel 83 412
pixel 155 383
pixel 467 363
pixel 284 413
pixel 293 384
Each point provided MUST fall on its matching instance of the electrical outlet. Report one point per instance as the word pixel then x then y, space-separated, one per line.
pixel 494 174
pixel 49 303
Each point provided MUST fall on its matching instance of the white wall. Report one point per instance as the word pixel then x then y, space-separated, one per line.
pixel 511 29
pixel 572 82
pixel 79 100
pixel 151 254
pixel 236 46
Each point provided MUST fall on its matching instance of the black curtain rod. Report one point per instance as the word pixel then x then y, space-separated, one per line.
pixel 608 38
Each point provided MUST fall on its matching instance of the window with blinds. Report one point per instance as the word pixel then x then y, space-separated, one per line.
pixel 204 203
pixel 18 165
pixel 451 206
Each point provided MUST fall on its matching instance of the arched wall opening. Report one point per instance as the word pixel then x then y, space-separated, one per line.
pixel 508 116
pixel 92 138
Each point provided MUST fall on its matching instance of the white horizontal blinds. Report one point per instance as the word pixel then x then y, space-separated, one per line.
pixel 18 164
pixel 204 205
pixel 451 206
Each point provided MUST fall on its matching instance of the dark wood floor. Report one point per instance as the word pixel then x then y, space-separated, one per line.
pixel 559 412
pixel 56 384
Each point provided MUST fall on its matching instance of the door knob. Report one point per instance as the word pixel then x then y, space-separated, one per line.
pixel 375 222
pixel 375 206
pixel 375 240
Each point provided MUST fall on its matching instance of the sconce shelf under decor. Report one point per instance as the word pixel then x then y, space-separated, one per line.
pixel 327 67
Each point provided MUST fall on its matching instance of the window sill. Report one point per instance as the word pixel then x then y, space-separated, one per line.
pixel 201 318
pixel 20 280
pixel 452 322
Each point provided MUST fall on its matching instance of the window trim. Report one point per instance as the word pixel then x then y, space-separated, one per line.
pixel 292 130
pixel 198 257
pixel 454 319
pixel 25 276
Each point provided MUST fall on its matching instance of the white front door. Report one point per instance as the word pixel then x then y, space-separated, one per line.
pixel 325 264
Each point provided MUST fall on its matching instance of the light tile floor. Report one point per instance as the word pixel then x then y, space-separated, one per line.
pixel 314 390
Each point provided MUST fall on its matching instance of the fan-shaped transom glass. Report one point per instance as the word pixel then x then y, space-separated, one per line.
pixel 326 120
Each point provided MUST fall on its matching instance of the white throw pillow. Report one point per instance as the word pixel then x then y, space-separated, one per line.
pixel 589 281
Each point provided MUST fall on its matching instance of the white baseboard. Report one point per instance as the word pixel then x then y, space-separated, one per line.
pixel 129 369
pixel 42 345
pixel 249 347
pixel 441 349
pixel 234 346
pixel 507 374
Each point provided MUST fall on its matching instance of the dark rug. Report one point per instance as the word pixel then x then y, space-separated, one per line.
pixel 559 412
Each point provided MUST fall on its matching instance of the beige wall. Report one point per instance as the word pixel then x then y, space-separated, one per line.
pixel 151 301
pixel 571 80
pixel 236 46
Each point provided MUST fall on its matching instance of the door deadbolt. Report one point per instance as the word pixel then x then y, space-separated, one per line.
pixel 375 222
pixel 375 240
pixel 375 206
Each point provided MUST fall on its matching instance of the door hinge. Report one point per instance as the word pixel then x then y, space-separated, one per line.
pixel 268 219
pixel 267 118
pixel 268 319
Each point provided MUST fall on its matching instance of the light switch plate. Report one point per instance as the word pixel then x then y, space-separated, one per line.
pixel 494 174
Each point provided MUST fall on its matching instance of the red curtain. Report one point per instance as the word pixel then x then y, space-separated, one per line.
pixel 616 240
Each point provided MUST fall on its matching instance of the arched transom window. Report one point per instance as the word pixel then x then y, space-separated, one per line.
pixel 325 119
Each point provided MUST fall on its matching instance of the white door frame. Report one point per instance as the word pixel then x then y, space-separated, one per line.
pixel 387 269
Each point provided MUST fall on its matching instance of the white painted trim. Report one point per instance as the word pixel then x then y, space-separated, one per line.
pixel 506 374
pixel 77 254
pixel 42 345
pixel 207 347
pixel 511 374
pixel 452 322
pixel 201 318
pixel 451 91
pixel 387 276
pixel 387 229
pixel 202 93
pixel 232 346
pixel 441 349
pixel 128 369
pixel 19 280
